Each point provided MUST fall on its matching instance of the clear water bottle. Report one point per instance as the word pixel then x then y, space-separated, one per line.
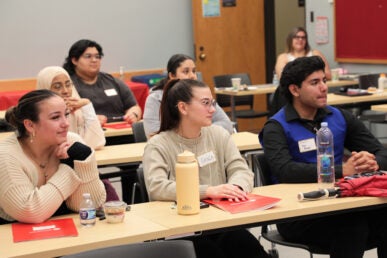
pixel 325 157
pixel 275 79
pixel 87 211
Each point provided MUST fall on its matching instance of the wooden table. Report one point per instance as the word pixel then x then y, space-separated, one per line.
pixel 132 152
pixel 158 220
pixel 133 229
pixel 382 107
pixel 288 209
pixel 334 99
pixel 267 89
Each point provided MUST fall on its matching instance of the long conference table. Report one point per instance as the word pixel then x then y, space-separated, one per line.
pixel 132 152
pixel 159 220
pixel 261 89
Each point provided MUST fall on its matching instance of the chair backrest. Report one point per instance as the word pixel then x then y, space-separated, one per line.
pixel 261 169
pixel 139 132
pixel 160 249
pixel 222 81
pixel 141 185
pixel 368 80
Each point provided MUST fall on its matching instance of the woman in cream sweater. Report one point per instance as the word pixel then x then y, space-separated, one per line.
pixel 44 169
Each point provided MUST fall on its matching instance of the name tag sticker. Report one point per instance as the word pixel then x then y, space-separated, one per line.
pixel 111 92
pixel 206 158
pixel 307 145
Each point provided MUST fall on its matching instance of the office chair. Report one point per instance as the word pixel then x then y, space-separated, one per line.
pixel 376 122
pixel 248 100
pixel 139 132
pixel 160 249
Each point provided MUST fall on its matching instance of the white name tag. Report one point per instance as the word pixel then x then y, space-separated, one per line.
pixel 307 145
pixel 111 92
pixel 206 158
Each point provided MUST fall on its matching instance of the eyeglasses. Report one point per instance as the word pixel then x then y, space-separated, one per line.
pixel 208 103
pixel 300 37
pixel 59 86
pixel 90 56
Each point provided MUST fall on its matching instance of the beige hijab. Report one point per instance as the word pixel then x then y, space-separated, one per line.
pixel 44 80
pixel 47 74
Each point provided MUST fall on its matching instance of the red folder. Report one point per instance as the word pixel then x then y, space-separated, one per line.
pixel 255 202
pixel 118 125
pixel 48 229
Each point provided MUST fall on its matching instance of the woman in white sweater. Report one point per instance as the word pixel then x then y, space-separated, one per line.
pixel 44 169
pixel 82 117
pixel 187 108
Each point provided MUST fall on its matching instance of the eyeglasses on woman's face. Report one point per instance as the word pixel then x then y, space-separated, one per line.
pixel 299 37
pixel 92 56
pixel 57 86
pixel 208 103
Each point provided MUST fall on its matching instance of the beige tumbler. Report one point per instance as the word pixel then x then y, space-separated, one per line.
pixel 187 184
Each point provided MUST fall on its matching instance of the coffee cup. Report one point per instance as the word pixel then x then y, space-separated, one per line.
pixel 236 83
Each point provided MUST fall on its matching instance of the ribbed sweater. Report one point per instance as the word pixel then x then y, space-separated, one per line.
pixel 21 198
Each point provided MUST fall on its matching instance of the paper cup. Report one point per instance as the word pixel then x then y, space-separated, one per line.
pixel 236 83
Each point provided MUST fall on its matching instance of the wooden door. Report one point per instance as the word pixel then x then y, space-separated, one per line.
pixel 233 42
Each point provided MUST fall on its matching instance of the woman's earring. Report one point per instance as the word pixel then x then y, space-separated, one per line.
pixel 32 136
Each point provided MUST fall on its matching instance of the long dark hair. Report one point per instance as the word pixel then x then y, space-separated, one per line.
pixel 173 63
pixel 174 92
pixel 76 50
pixel 27 108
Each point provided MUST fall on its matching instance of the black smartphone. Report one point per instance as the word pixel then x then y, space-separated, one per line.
pixel 204 205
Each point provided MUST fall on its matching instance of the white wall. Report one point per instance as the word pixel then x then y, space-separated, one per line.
pixel 135 34
pixel 324 8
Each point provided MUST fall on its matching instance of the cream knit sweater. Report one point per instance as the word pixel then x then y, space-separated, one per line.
pixel 160 158
pixel 23 201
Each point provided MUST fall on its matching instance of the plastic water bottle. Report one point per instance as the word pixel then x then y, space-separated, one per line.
pixel 87 211
pixel 382 82
pixel 325 157
pixel 275 79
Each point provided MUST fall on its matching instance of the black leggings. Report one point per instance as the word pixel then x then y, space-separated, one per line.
pixel 344 235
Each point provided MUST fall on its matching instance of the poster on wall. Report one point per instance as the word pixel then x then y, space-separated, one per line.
pixel 211 8
pixel 321 30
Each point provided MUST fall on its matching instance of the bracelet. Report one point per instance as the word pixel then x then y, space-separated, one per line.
pixel 135 114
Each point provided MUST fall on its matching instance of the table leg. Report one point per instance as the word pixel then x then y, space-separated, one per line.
pixel 232 105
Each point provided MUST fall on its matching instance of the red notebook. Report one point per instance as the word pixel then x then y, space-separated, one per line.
pixel 48 229
pixel 118 125
pixel 255 202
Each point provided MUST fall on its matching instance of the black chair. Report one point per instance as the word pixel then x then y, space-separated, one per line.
pixel 160 249
pixel 248 100
pixel 140 194
pixel 376 122
pixel 261 170
pixel 139 132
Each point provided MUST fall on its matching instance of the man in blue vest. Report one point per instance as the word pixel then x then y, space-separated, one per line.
pixel 288 139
